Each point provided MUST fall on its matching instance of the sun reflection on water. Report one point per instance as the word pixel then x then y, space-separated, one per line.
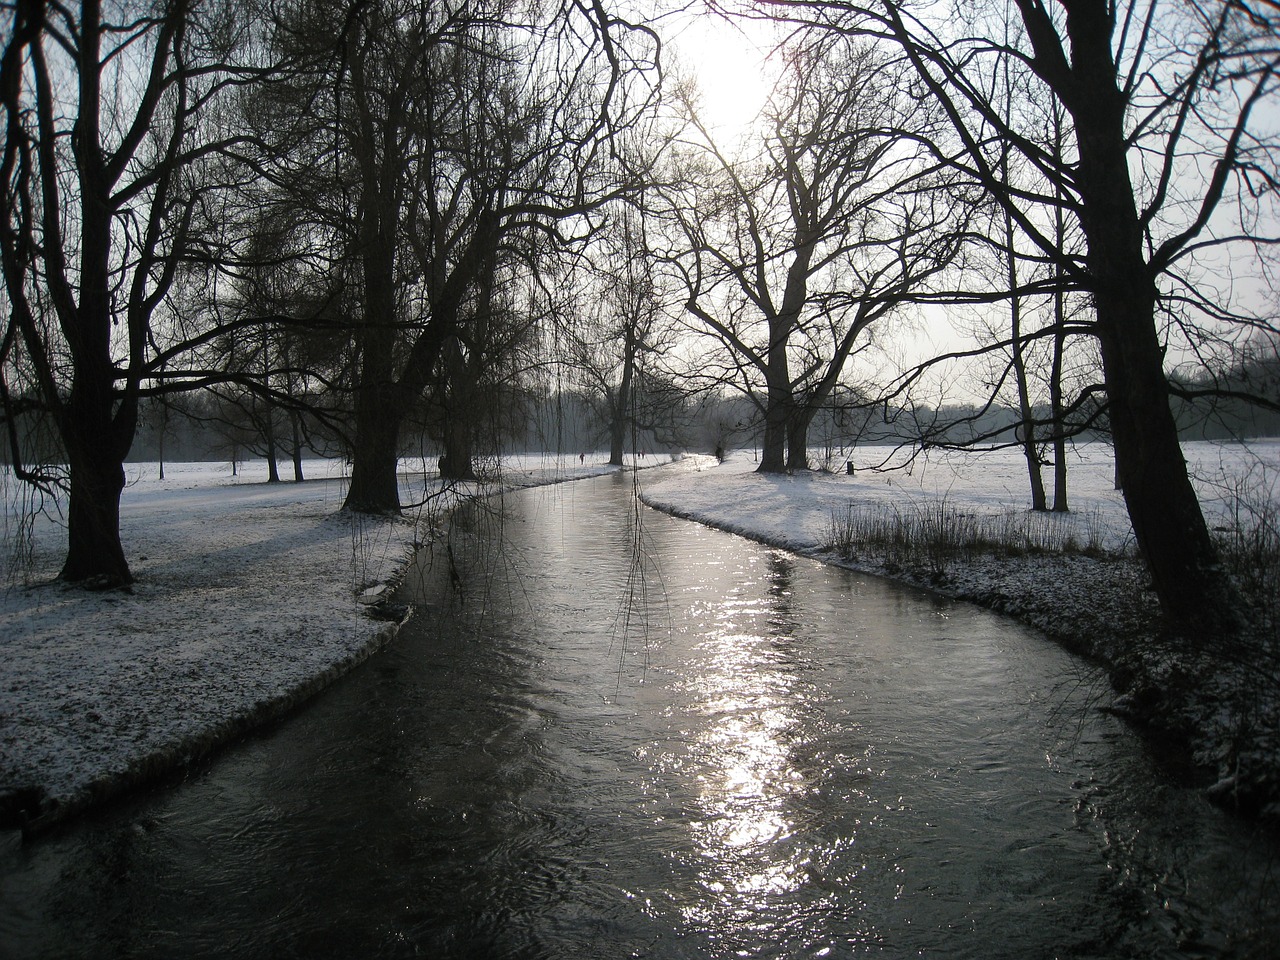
pixel 748 693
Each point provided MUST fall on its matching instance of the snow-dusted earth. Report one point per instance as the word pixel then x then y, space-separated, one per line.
pixel 249 595
pixel 248 598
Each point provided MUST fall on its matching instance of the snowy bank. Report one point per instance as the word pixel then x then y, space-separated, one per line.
pixel 248 600
pixel 1098 604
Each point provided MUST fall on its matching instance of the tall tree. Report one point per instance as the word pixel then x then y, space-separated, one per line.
pixel 1008 244
pixel 458 131
pixel 110 147
pixel 620 333
pixel 791 256
pixel 1163 104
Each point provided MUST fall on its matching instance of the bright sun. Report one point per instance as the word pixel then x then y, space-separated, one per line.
pixel 731 65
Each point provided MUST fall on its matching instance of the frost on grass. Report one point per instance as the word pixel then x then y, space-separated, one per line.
pixel 245 600
pixel 249 597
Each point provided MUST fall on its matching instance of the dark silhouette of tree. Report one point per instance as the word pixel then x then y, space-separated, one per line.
pixel 790 256
pixel 619 333
pixel 112 144
pixel 1165 169
pixel 463 140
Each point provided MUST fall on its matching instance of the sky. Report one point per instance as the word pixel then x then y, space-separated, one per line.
pixel 729 58
pixel 730 61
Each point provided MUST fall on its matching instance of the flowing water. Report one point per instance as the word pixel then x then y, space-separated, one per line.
pixel 610 733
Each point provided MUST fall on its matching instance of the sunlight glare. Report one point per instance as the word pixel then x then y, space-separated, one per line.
pixel 730 63
pixel 749 779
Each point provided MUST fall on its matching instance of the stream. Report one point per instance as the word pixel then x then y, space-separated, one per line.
pixel 608 733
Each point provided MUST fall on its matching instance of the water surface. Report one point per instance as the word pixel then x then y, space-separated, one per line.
pixel 609 733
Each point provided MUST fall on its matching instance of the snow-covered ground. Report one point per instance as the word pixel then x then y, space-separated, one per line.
pixel 796 511
pixel 249 594
pixel 248 599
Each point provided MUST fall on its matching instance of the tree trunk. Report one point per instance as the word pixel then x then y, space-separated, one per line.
pixel 798 437
pixel 1031 454
pixel 1167 521
pixel 96 435
pixel 1060 504
pixel 773 448
pixel 1026 430
pixel 297 448
pixel 160 450
pixel 95 555
pixel 1163 508
pixel 375 456
pixel 94 551
pixel 375 452
pixel 457 462
pixel 622 401
pixel 269 430
pixel 617 441
pixel 459 414
pixel 778 400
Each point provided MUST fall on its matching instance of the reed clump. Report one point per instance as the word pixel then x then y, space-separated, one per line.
pixel 933 535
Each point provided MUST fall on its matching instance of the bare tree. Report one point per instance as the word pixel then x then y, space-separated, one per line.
pixel 111 145
pixel 791 256
pixel 464 138
pixel 1166 170
pixel 619 333
pixel 477 388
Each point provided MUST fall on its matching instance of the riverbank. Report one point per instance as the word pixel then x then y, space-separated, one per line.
pixel 250 598
pixel 1216 718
